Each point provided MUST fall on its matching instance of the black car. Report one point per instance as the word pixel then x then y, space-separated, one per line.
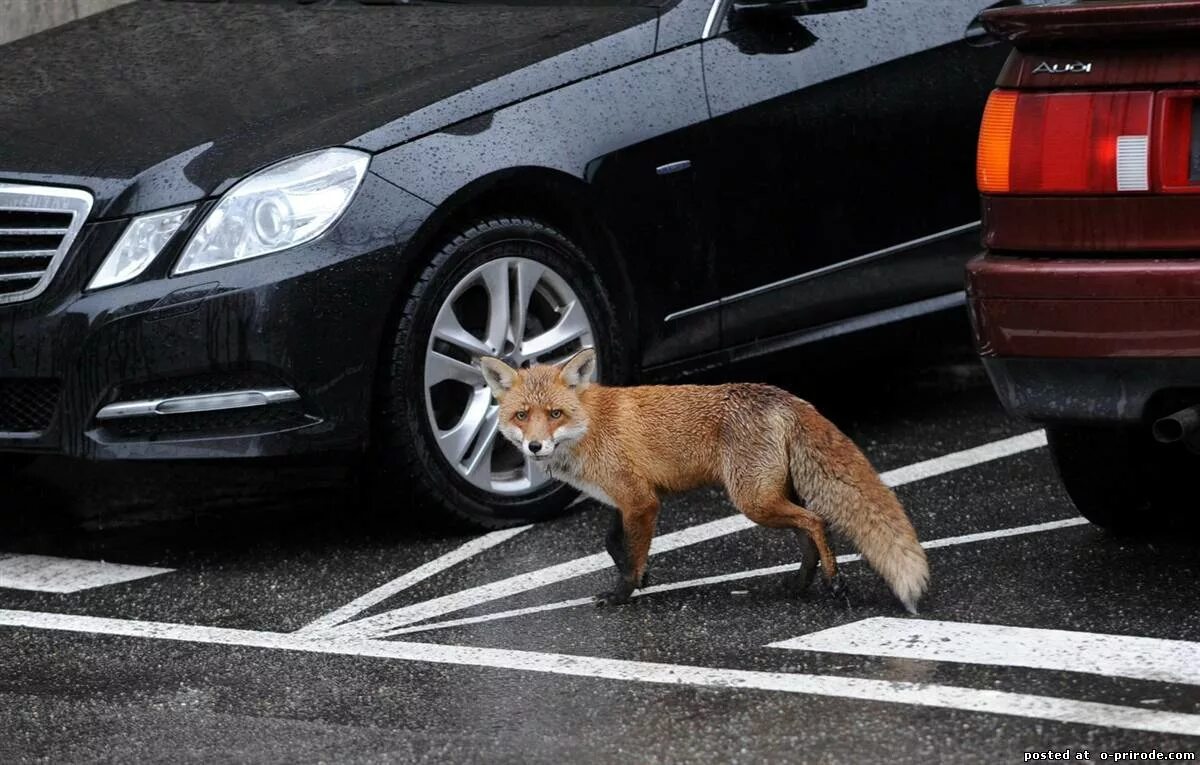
pixel 261 229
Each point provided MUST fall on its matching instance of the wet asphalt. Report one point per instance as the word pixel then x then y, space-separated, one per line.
pixel 271 550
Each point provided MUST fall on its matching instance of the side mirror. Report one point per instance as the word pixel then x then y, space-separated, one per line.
pixel 797 7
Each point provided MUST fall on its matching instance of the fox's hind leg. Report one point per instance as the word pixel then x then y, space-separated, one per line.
pixel 776 511
pixel 808 561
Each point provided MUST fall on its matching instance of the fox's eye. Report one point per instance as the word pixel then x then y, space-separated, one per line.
pixel 555 414
pixel 521 414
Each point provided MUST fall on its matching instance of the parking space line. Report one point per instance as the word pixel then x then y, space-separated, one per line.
pixel 981 536
pixel 864 689
pixel 44 573
pixel 502 588
pixel 948 463
pixel 422 572
pixel 1141 658
pixel 390 620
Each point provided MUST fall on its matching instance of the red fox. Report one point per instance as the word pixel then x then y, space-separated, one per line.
pixel 783 464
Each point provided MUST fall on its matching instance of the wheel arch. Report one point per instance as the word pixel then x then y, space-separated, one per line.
pixel 551 196
pixel 554 197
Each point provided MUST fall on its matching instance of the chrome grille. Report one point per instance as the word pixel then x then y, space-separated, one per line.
pixel 37 226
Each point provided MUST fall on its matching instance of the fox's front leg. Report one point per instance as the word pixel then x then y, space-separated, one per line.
pixel 615 544
pixel 629 545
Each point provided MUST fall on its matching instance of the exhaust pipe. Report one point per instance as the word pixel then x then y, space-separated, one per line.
pixel 1177 427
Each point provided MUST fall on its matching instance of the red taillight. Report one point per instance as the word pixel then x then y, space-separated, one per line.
pixel 1066 143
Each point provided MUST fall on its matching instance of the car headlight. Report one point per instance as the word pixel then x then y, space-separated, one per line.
pixel 281 206
pixel 139 245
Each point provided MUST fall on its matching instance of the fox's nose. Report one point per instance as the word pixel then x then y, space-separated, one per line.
pixel 535 446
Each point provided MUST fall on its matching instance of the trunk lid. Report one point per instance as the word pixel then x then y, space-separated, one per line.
pixel 1099 44
pixel 1031 27
pixel 1091 144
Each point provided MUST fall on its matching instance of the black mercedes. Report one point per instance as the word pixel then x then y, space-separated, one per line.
pixel 252 229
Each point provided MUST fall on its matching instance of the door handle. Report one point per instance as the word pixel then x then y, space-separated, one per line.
pixel 673 167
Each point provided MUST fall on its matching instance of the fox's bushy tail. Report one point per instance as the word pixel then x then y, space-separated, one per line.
pixel 838 483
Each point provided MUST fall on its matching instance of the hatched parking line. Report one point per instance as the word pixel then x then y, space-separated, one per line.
pixel 44 573
pixel 932 544
pixel 419 574
pixel 390 621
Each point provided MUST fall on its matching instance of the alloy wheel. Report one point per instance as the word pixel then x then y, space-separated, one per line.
pixel 519 310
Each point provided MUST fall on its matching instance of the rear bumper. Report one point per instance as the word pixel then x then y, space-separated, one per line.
pixel 1070 308
pixel 1086 340
pixel 1098 391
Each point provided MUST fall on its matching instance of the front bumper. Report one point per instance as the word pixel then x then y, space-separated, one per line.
pixel 308 320
pixel 1087 340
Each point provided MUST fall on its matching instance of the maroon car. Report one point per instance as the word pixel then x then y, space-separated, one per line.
pixel 1086 304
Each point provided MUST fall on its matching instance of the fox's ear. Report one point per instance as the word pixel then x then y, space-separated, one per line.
pixel 498 375
pixel 577 370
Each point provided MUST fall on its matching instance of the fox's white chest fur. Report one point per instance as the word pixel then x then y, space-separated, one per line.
pixel 564 467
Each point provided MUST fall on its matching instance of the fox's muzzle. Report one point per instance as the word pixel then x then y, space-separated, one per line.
pixel 537 449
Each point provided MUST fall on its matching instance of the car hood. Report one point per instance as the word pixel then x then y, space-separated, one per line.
pixel 159 103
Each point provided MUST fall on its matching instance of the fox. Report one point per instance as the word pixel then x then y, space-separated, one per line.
pixel 783 464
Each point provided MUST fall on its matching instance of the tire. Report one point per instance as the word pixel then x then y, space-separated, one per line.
pixel 411 466
pixel 1121 480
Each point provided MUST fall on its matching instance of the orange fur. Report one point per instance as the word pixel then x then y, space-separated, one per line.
pixel 783 464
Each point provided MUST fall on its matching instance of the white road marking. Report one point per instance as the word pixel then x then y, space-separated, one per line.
pixel 427 626
pixel 43 573
pixel 981 536
pixel 864 689
pixel 532 580
pixel 948 463
pixel 420 573
pixel 1141 658
pixel 386 622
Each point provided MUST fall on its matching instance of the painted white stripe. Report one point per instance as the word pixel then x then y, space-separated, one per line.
pixel 948 463
pixel 1142 658
pixel 1015 531
pixel 981 536
pixel 428 626
pixel 865 689
pixel 421 573
pixel 502 588
pixel 43 573
pixel 430 609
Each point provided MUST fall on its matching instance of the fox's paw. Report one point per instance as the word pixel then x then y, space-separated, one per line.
pixel 612 598
pixel 837 585
pixel 839 589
